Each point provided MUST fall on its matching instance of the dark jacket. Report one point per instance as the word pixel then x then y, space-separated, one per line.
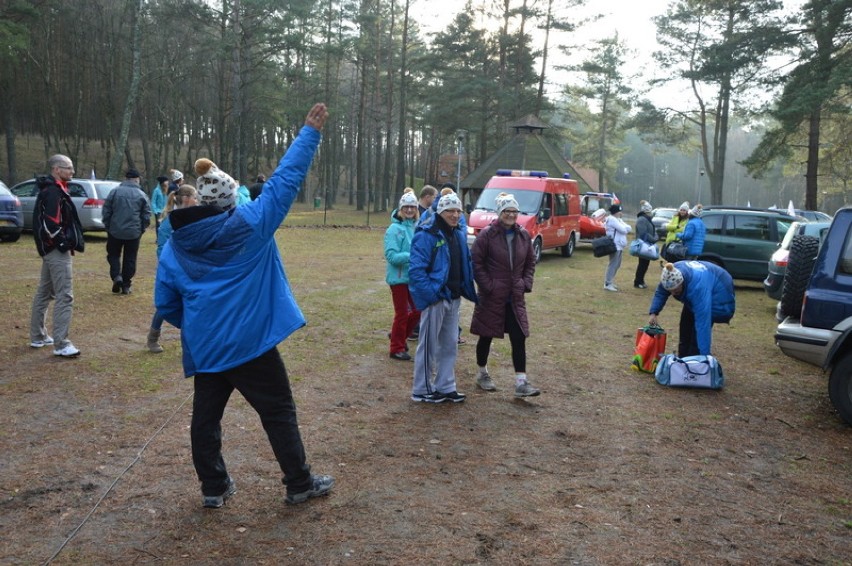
pixel 500 282
pixel 56 225
pixel 127 212
pixel 645 228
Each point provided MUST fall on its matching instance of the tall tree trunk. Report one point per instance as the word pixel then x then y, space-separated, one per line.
pixel 132 94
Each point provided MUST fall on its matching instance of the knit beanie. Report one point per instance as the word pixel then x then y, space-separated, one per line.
pixel 504 201
pixel 695 211
pixel 671 277
pixel 408 198
pixel 215 187
pixel 176 175
pixel 645 206
pixel 449 201
pixel 684 207
pixel 615 209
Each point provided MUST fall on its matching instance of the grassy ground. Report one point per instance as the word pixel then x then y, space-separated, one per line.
pixel 606 467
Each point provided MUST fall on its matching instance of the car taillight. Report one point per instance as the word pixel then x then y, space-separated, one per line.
pixel 93 203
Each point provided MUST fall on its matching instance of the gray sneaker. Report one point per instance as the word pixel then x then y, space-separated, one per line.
pixel 320 485
pixel 483 380
pixel 526 390
pixel 216 501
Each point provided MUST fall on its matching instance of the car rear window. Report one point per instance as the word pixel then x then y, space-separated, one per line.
pixel 77 190
pixel 713 223
pixel 846 256
pixel 749 227
pixel 103 189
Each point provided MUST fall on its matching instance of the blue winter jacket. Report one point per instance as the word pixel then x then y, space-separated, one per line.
pixel 221 279
pixel 158 201
pixel 693 236
pixel 398 238
pixel 429 266
pixel 164 234
pixel 708 291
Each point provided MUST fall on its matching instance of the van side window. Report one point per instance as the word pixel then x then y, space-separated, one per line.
pixel 561 208
pixel 713 223
pixel 846 256
pixel 547 201
pixel 747 226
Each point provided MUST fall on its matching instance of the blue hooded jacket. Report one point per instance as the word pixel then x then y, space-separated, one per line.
pixel 429 266
pixel 708 291
pixel 221 279
pixel 693 236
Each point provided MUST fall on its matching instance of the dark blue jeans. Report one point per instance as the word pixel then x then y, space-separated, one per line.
pixel 264 384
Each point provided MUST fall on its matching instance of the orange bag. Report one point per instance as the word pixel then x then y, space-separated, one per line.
pixel 650 347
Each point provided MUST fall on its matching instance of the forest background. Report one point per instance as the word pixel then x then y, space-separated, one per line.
pixel 155 84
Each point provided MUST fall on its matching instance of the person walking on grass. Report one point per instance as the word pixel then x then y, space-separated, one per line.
pixel 185 196
pixel 618 229
pixel 644 231
pixel 439 275
pixel 222 282
pixel 398 238
pixel 58 234
pixel 126 216
pixel 503 267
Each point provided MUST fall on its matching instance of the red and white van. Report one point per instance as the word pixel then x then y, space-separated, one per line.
pixel 549 208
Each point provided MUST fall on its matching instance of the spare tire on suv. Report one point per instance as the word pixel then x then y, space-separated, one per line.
pixel 803 254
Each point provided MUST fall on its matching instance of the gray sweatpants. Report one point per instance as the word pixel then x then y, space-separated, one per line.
pixel 437 347
pixel 612 268
pixel 55 283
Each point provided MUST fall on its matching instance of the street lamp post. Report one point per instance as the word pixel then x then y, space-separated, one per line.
pixel 460 134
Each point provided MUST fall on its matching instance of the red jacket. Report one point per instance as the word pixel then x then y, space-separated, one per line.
pixel 499 282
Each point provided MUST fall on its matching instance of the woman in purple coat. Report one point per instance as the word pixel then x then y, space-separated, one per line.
pixel 503 267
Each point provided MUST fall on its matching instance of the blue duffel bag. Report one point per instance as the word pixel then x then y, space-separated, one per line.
pixel 703 372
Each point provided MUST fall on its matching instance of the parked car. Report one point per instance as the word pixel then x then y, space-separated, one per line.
pixel 742 239
pixel 661 217
pixel 591 228
pixel 549 209
pixel 822 335
pixel 11 217
pixel 87 194
pixel 813 215
pixel 778 262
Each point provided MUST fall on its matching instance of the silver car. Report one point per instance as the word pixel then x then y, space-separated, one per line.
pixel 87 194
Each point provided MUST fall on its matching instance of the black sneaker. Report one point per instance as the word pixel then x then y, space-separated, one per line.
pixel 320 485
pixel 404 356
pixel 428 398
pixel 454 396
pixel 216 501
pixel 116 284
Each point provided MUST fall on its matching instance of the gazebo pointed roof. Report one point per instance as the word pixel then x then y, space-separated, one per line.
pixel 526 150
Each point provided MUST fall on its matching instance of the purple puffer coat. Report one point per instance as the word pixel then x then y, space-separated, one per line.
pixel 497 282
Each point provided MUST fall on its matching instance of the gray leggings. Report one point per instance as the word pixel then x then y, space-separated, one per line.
pixel 612 268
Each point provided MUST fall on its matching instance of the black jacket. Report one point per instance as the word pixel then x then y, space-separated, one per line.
pixel 56 225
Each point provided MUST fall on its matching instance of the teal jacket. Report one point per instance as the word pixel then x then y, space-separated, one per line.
pixel 398 238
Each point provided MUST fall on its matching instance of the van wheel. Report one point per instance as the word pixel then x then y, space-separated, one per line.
pixel 568 249
pixel 803 252
pixel 537 249
pixel 840 388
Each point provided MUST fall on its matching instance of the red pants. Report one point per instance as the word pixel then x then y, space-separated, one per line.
pixel 406 317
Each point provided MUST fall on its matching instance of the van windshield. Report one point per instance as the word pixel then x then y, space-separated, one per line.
pixel 528 201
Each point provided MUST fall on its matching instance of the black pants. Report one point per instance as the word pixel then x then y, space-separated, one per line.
pixel 641 270
pixel 516 337
pixel 126 266
pixel 687 339
pixel 264 384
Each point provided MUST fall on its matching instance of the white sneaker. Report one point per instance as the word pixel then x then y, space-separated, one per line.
pixel 69 351
pixel 610 287
pixel 48 341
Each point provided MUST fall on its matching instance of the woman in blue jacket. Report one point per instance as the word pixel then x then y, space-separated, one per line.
pixel 693 234
pixel 707 293
pixel 221 281
pixel 398 238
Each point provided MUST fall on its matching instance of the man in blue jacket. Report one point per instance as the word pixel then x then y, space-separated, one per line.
pixel 707 293
pixel 440 272
pixel 694 233
pixel 221 281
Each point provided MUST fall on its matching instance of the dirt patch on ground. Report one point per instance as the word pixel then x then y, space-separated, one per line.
pixel 605 467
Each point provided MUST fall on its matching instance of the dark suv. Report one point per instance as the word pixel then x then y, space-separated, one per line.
pixel 823 333
pixel 742 240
